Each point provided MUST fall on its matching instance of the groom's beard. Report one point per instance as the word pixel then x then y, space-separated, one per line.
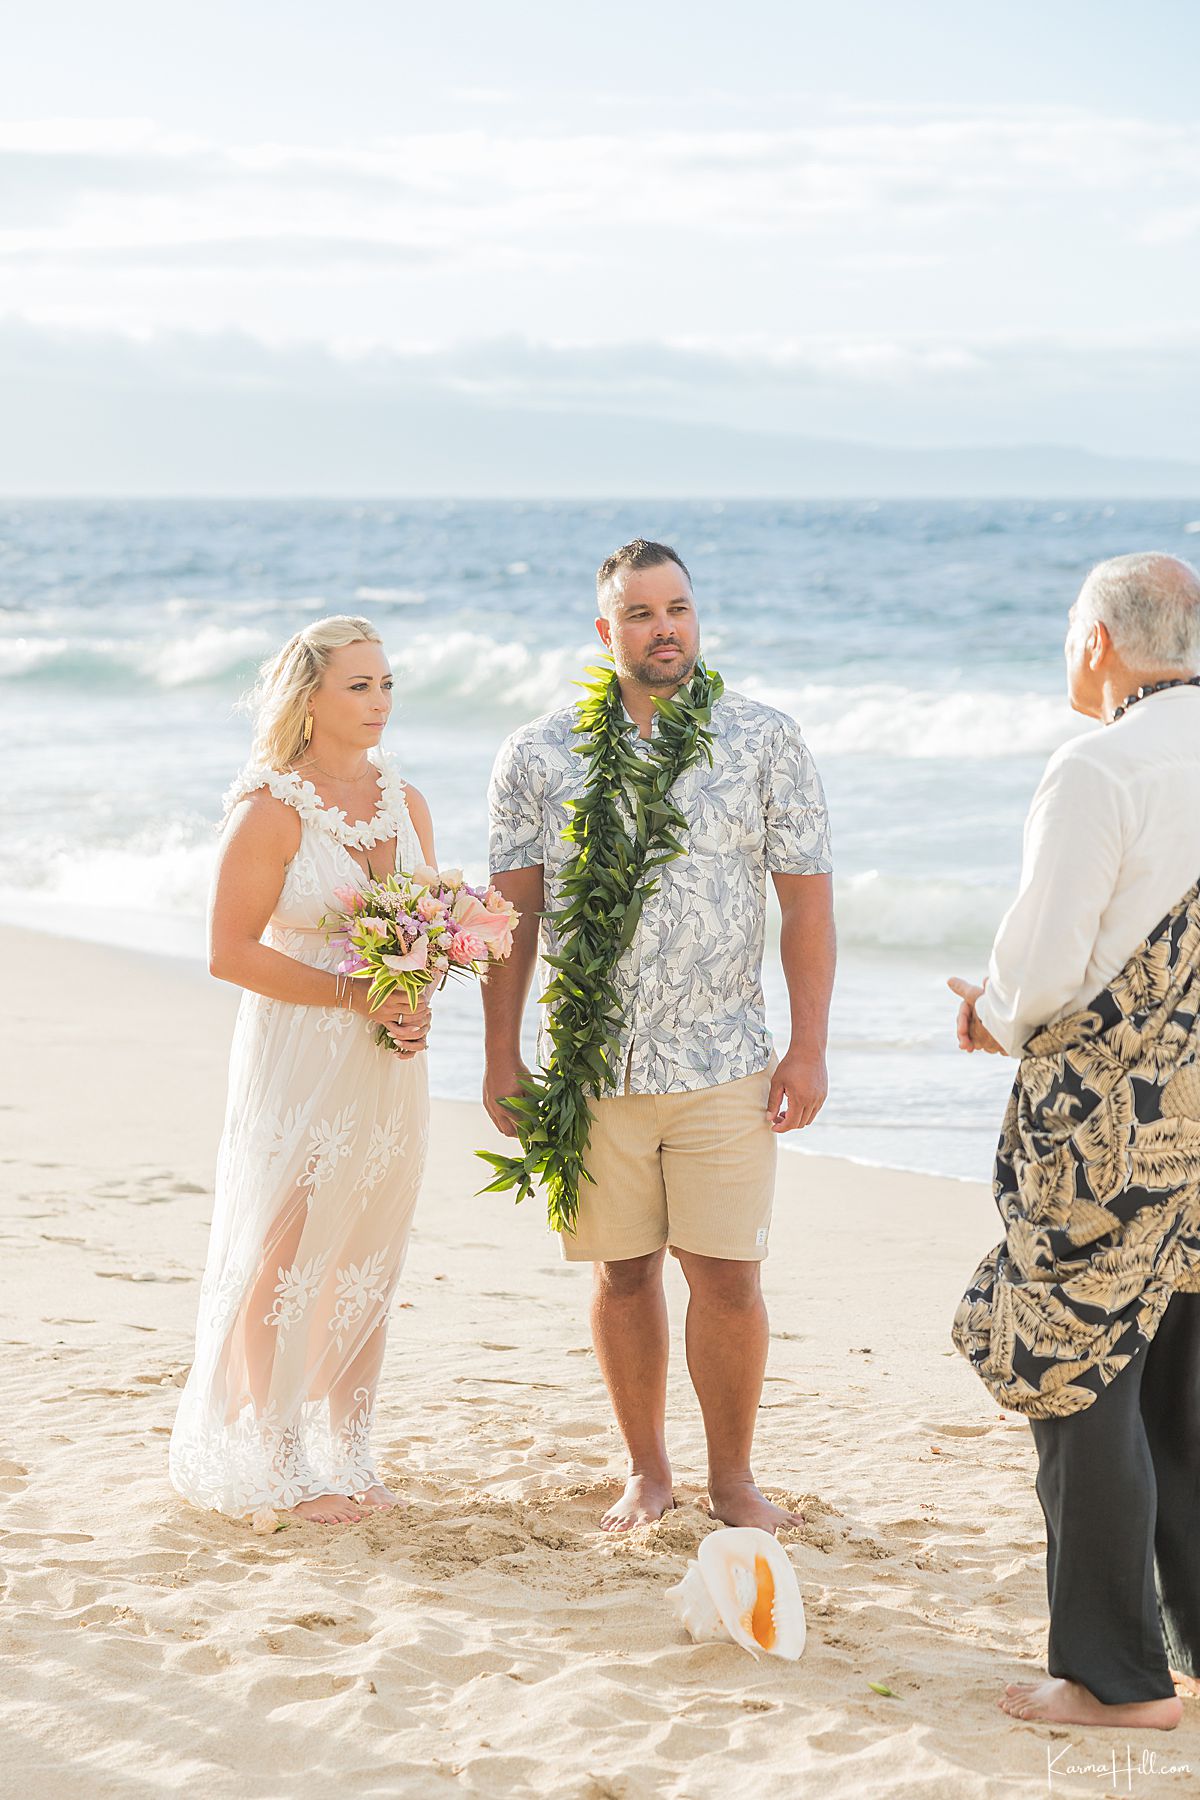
pixel 651 672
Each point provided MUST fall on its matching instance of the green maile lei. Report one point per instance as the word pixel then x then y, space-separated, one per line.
pixel 626 827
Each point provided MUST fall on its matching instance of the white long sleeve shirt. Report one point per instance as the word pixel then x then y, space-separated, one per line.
pixel 1112 842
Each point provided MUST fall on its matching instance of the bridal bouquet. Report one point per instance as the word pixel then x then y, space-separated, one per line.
pixel 412 931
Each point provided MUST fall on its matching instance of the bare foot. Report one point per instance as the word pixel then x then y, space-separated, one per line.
pixel 1186 1685
pixel 376 1498
pixel 328 1509
pixel 738 1502
pixel 1069 1703
pixel 646 1499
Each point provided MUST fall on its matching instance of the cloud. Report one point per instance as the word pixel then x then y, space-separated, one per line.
pixel 81 184
pixel 280 252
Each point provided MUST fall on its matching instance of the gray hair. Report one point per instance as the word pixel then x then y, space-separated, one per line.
pixel 1151 605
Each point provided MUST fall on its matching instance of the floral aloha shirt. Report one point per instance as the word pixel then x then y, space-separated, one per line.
pixel 691 981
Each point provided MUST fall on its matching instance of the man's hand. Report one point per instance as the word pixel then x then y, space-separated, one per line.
pixel 972 1033
pixel 798 1089
pixel 499 1085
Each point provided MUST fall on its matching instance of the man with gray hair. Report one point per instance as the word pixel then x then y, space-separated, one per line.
pixel 1086 1318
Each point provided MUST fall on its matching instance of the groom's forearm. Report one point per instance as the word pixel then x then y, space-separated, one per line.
pixel 506 989
pixel 808 951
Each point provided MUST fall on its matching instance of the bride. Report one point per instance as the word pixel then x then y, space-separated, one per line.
pixel 325 1132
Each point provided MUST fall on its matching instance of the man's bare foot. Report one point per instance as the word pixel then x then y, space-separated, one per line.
pixel 646 1499
pixel 377 1497
pixel 1069 1703
pixel 738 1502
pixel 328 1509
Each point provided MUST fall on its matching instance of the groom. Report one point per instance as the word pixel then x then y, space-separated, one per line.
pixel 683 1155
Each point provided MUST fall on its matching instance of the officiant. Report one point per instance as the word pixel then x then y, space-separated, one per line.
pixel 1086 1317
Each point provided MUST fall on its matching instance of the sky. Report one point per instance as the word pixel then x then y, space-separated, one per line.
pixel 929 226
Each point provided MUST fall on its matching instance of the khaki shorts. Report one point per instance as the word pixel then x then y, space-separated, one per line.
pixel 695 1171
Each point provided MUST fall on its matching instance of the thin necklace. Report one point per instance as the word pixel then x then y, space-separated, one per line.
pixel 346 780
pixel 1152 687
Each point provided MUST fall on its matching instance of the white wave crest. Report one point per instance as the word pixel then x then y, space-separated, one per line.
pixel 168 872
pixel 214 653
pixel 890 720
pixel 900 912
pixel 148 893
pixel 509 680
pixel 506 678
pixel 23 656
pixel 394 596
pixel 153 871
pixel 207 655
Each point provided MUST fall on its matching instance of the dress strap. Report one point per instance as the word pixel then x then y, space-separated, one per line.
pixel 284 784
pixel 288 786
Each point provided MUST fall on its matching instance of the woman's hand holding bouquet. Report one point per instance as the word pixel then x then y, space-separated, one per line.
pixel 407 933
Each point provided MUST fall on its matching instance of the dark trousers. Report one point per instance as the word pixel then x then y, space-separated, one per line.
pixel 1120 1487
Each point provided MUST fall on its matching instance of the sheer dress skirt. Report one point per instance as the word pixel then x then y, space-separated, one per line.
pixel 318 1174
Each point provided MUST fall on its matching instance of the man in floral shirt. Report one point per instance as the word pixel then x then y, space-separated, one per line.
pixel 683 1155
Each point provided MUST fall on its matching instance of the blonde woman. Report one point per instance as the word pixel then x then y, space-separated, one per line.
pixel 325 1132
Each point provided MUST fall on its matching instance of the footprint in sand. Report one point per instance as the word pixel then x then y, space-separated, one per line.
pixel 347 1633
pixel 960 1431
pixel 915 1530
pixel 161 1195
pixel 164 1377
pixel 12 1476
pixel 33 1540
pixel 138 1275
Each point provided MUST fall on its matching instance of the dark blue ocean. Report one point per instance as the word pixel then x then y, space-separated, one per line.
pixel 919 644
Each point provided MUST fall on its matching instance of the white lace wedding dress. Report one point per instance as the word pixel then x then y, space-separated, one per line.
pixel 317 1179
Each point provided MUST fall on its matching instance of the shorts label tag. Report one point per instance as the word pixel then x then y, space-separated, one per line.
pixel 761 1236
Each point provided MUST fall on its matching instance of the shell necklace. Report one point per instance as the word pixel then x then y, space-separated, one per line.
pixel 1152 687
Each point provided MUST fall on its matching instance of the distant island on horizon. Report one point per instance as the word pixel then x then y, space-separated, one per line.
pixel 65 441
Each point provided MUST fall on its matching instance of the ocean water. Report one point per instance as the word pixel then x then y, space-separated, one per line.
pixel 919 644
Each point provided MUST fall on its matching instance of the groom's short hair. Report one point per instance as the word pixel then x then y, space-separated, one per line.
pixel 639 553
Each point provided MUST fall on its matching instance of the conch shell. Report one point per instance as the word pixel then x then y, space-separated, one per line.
pixel 742 1588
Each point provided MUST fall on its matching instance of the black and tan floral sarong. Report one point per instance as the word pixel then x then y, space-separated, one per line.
pixel 1098 1183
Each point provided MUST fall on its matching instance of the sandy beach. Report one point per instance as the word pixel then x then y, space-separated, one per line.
pixel 488 1640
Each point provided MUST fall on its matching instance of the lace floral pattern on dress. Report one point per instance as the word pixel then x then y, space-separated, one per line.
pixel 317 1178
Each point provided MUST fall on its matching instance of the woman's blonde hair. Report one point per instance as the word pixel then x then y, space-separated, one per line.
pixel 288 680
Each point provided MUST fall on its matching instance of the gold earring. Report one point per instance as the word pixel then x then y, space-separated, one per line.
pixel 307 728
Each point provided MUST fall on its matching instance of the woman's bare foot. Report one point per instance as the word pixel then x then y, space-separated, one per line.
pixel 377 1497
pixel 646 1499
pixel 328 1509
pixel 1069 1703
pixel 1186 1685
pixel 737 1501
